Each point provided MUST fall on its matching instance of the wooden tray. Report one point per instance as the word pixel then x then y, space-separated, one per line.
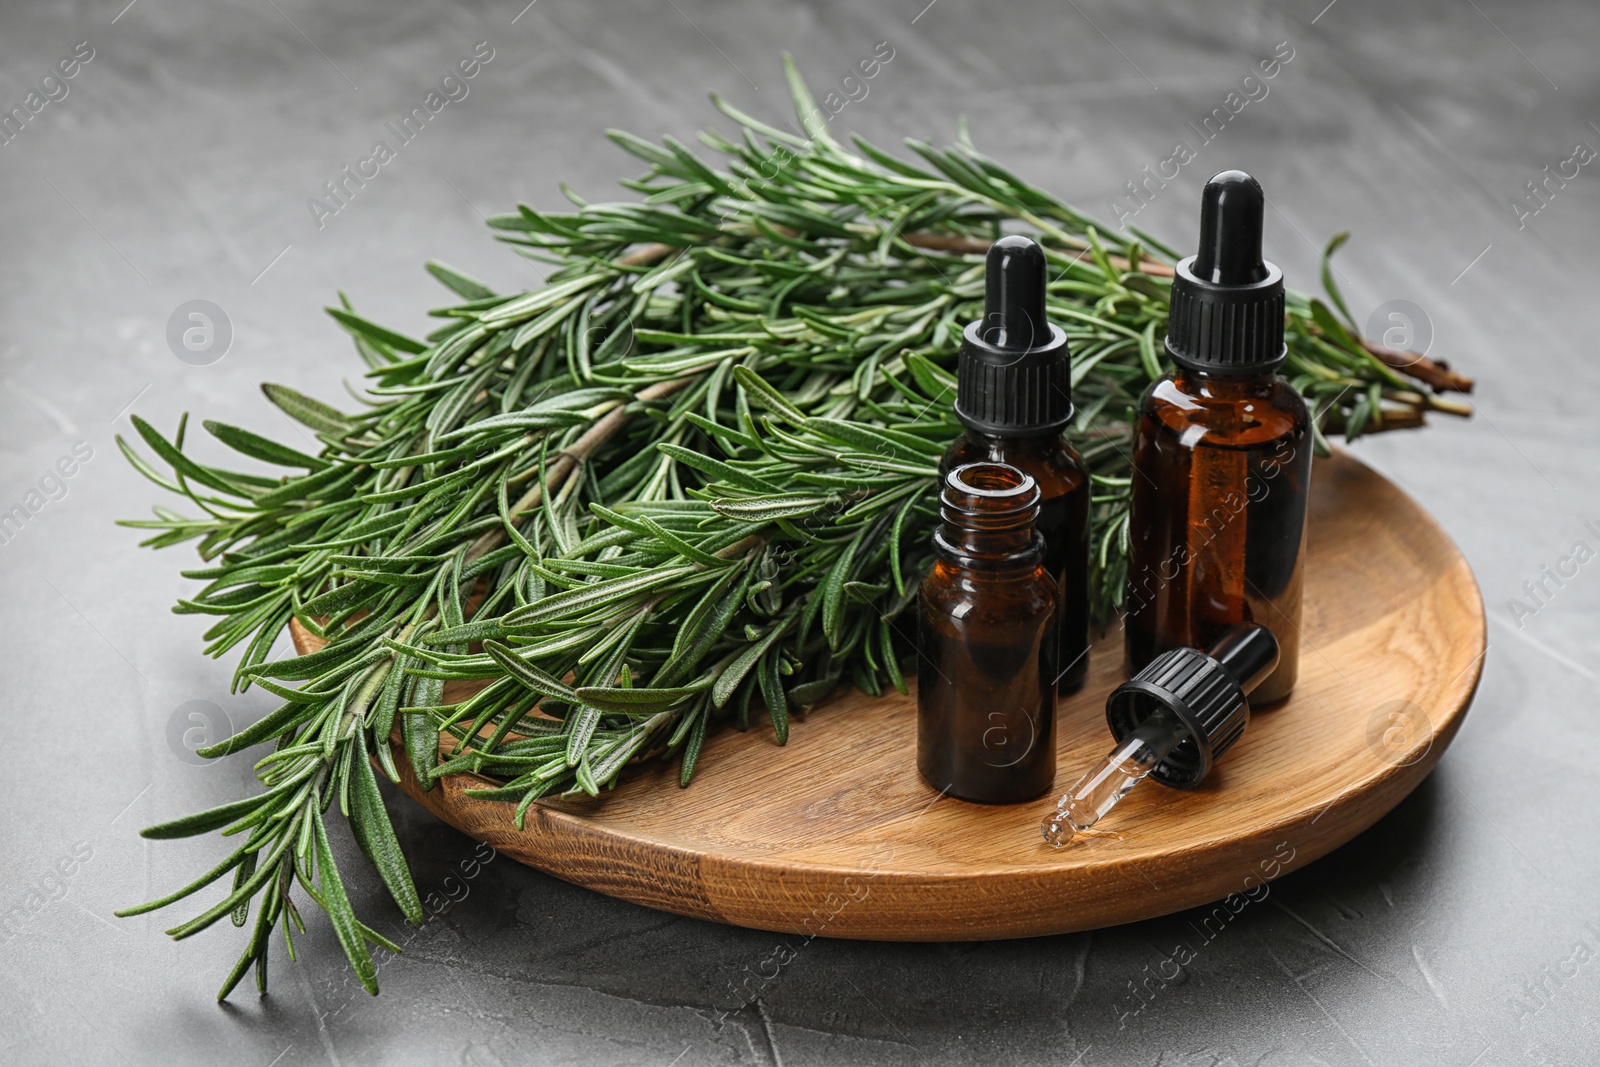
pixel 836 835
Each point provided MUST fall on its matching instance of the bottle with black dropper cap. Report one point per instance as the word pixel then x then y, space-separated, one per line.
pixel 1222 454
pixel 1014 395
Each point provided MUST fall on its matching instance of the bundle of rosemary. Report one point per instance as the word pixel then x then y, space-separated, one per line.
pixel 689 480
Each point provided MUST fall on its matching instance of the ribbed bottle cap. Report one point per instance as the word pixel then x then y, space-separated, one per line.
pixel 1227 302
pixel 1014 376
pixel 1206 694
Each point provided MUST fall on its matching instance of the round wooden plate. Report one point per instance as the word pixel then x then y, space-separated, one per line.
pixel 836 835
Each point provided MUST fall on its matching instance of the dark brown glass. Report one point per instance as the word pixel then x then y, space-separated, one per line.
pixel 986 698
pixel 1063 482
pixel 1222 472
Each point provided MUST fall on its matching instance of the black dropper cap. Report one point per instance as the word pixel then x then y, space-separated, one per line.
pixel 1227 302
pixel 1202 694
pixel 1014 377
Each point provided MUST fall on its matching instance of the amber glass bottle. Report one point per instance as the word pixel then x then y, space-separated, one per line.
pixel 1014 395
pixel 986 697
pixel 1222 455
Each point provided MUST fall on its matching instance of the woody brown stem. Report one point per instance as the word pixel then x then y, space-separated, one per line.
pixel 567 462
pixel 1433 372
pixel 644 255
pixel 975 246
pixel 1388 419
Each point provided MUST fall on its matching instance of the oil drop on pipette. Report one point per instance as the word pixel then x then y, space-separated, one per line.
pixel 1172 721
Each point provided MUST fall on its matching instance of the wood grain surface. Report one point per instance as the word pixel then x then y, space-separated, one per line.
pixel 836 835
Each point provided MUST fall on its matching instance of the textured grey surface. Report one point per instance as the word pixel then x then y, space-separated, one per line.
pixel 1461 930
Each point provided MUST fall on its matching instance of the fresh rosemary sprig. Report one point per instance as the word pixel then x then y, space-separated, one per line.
pixel 690 479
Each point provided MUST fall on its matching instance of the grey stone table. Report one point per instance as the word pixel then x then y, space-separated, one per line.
pixel 176 164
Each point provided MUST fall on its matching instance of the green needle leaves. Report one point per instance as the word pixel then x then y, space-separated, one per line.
pixel 588 525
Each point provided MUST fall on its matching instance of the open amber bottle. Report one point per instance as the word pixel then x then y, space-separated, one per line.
pixel 986 695
pixel 1014 395
pixel 1222 455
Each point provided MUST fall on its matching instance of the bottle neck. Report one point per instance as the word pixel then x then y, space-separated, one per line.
pixel 987 513
pixel 1223 386
pixel 1021 443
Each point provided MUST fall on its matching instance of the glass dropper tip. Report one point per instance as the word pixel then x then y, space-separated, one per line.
pixel 1072 816
pixel 1058 830
pixel 1055 831
pixel 1110 780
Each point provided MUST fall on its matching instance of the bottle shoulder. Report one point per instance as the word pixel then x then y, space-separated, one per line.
pixel 992 596
pixel 1224 412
